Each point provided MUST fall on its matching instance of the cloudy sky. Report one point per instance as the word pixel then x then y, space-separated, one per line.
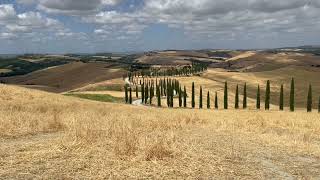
pixel 65 26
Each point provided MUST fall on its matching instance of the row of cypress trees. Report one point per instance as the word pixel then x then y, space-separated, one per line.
pixel 170 88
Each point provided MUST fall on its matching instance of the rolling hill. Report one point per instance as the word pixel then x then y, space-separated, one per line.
pixel 50 135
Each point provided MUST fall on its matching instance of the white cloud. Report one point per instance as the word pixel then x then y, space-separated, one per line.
pixel 74 7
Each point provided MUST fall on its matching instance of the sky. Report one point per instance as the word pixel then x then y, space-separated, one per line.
pixel 89 26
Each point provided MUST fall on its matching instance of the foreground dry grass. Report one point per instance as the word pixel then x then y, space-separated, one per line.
pixel 46 136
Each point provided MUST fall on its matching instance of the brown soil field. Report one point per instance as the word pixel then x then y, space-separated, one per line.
pixel 263 61
pixel 67 77
pixel 45 136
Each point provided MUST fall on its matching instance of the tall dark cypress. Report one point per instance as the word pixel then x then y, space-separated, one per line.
pixel 319 105
pixel 151 94
pixel 200 98
pixel 208 100
pixel 236 100
pixel 193 104
pixel 258 98
pixel 225 95
pixel 158 96
pixel 146 94
pixel 309 101
pixel 168 94
pixel 137 92
pixel 130 96
pixel 172 95
pixel 267 97
pixel 216 104
pixel 180 97
pixel 184 97
pixel 281 101
pixel 245 96
pixel 126 93
pixel 292 94
pixel 142 93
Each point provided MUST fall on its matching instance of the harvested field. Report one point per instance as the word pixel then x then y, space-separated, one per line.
pixel 65 137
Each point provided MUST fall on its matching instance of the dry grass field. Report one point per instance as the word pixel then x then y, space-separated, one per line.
pixel 50 136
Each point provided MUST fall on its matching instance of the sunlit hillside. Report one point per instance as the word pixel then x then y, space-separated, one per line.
pixel 49 135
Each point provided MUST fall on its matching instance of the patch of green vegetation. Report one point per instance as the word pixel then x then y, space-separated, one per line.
pixel 98 97
pixel 113 87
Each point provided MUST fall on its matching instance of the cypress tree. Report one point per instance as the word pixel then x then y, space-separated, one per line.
pixel 142 92
pixel 319 105
pixel 216 104
pixel 236 106
pixel 172 95
pixel 309 101
pixel 226 95
pixel 267 98
pixel 137 92
pixel 193 96
pixel 281 98
pixel 184 97
pixel 130 97
pixel 158 96
pixel 146 91
pixel 151 94
pixel 180 97
pixel 258 98
pixel 292 94
pixel 245 96
pixel 200 98
pixel 126 93
pixel 208 100
pixel 168 95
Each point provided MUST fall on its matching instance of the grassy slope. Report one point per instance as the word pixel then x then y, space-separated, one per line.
pixel 45 135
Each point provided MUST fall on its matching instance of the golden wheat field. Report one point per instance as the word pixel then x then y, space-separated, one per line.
pixel 50 136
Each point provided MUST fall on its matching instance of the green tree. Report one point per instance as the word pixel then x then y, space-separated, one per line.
pixel 309 101
pixel 142 93
pixel 193 96
pixel 258 98
pixel 200 98
pixel 292 94
pixel 226 95
pixel 158 96
pixel 216 104
pixel 245 96
pixel 146 94
pixel 180 97
pixel 137 92
pixel 130 97
pixel 184 97
pixel 319 105
pixel 151 94
pixel 126 93
pixel 236 106
pixel 267 97
pixel 208 100
pixel 281 101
